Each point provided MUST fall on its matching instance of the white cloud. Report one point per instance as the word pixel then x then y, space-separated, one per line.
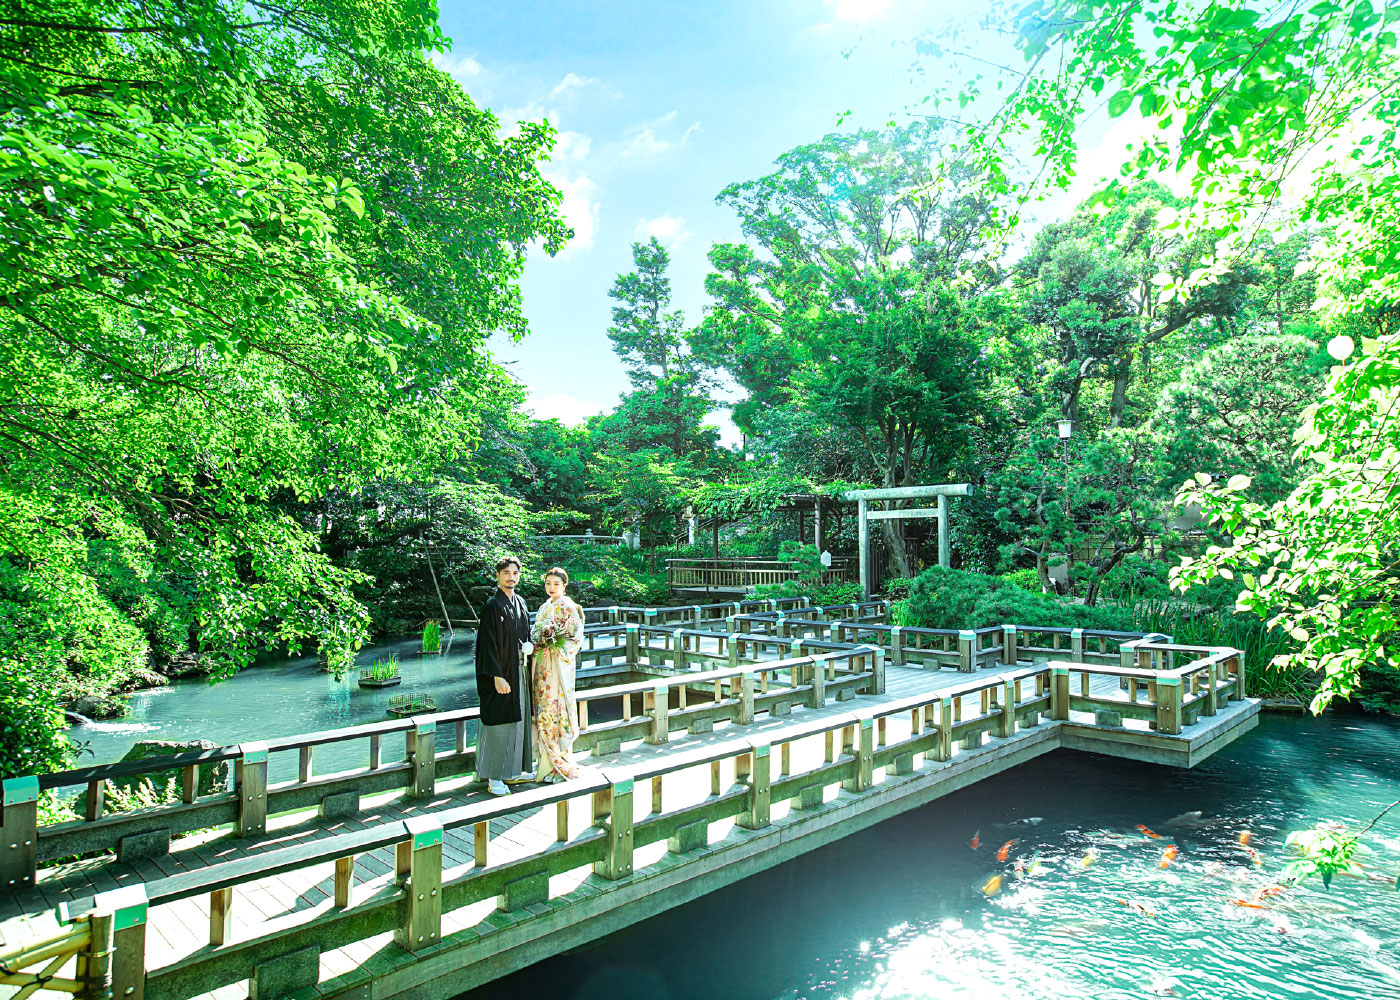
pixel 667 228
pixel 580 208
pixel 564 407
pixel 646 143
pixel 572 81
pixel 858 10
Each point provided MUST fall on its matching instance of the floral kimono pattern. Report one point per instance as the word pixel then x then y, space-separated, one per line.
pixel 558 636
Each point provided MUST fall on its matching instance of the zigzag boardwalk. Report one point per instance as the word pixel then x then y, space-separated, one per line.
pixel 761 731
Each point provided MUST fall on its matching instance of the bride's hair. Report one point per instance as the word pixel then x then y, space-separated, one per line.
pixel 560 572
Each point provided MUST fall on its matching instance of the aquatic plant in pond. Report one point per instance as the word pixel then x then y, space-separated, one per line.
pixel 383 672
pixel 432 637
pixel 411 704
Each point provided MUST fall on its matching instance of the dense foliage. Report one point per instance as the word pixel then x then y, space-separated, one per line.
pixel 251 256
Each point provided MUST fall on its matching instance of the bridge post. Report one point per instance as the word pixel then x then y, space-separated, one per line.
pixel 745 699
pixel 660 723
pixel 781 626
pixel 1006 725
pixel 20 828
pixel 877 669
pixel 818 682
pixel 967 650
pixel 612 615
pixel 1169 705
pixel 422 918
pixel 122 912
pixel 1010 651
pixel 731 623
pixel 756 815
pixel 945 729
pixel 864 751
pixel 634 656
pixel 422 751
pixel 696 609
pixel 678 652
pixel 1059 692
pixel 897 645
pixel 838 631
pixel 612 809
pixel 1235 665
pixel 1076 645
pixel 250 774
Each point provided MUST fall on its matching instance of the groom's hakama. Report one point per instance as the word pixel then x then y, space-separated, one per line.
pixel 503 747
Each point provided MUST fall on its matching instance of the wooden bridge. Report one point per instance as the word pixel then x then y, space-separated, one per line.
pixel 760 731
pixel 736 578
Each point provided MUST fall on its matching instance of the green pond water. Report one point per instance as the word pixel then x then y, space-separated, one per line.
pixel 899 910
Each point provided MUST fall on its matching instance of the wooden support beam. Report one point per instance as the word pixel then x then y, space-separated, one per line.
pixel 221 916
pixel 250 772
pixel 423 753
pixel 612 809
pixel 421 922
pixel 758 808
pixel 344 880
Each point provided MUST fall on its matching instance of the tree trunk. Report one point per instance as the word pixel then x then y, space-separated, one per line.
pixel 1120 392
pixel 428 552
pixel 894 544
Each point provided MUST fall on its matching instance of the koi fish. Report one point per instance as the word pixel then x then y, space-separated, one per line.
pixel 1005 850
pixel 1087 860
pixel 1254 856
pixel 976 840
pixel 1245 837
pixel 1034 868
pixel 1270 890
pixel 1169 855
pixel 993 886
pixel 1137 907
pixel 1148 833
pixel 1246 903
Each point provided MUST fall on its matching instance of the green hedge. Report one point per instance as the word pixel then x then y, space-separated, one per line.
pixel 954 598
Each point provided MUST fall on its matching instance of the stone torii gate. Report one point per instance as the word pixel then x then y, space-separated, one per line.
pixel 864 498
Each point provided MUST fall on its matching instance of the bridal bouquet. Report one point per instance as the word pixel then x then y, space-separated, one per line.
pixel 551 628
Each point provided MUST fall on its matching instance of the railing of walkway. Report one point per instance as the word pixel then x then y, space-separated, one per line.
pixel 412 902
pixel 741 574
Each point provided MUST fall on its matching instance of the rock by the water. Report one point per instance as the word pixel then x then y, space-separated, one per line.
pixel 212 777
pixel 98 706
pixel 140 679
pixel 189 665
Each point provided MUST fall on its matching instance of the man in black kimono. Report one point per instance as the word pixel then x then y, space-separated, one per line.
pixel 503 751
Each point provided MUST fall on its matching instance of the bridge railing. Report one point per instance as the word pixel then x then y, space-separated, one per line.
pixel 748 776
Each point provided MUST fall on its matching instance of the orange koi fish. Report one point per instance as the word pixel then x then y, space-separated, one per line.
pixel 1005 850
pixel 1246 903
pixel 1245 837
pixel 1148 833
pixel 1254 856
pixel 1137 907
pixel 1269 890
pixel 976 840
pixel 993 886
pixel 1169 855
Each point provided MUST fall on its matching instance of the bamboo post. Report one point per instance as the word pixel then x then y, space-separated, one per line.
pixel 251 775
pixel 127 960
pixel 421 920
pixel 94 961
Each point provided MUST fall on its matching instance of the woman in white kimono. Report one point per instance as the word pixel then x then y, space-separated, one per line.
pixel 558 636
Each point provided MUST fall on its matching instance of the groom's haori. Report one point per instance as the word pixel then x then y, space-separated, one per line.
pixel 503 743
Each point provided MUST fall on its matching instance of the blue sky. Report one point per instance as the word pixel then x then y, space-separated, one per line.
pixel 659 106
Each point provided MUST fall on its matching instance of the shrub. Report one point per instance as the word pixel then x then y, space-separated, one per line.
pixel 1026 579
pixel 951 598
pixel 945 598
pixel 897 588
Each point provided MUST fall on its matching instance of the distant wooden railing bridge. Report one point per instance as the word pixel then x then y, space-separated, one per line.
pixel 762 729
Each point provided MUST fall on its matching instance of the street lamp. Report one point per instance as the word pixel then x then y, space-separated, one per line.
pixel 1066 428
